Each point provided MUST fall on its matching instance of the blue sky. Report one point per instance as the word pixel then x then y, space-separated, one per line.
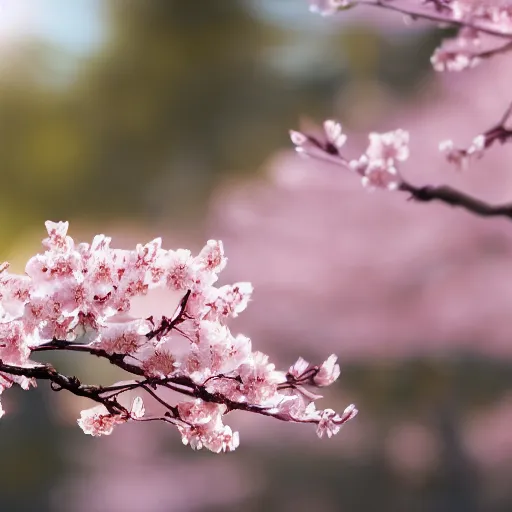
pixel 76 25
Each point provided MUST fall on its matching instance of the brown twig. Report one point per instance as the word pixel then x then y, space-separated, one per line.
pixel 59 381
pixel 115 359
pixel 454 197
pixel 499 132
pixel 435 16
pixel 168 324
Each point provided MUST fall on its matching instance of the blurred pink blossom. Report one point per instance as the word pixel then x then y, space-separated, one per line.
pixel 376 275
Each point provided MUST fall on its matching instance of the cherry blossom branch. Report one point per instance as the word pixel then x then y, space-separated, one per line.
pixel 463 52
pixel 301 374
pixel 446 12
pixel 293 380
pixel 481 27
pixel 115 359
pixel 83 292
pixel 377 167
pixel 443 13
pixel 497 133
pixel 168 324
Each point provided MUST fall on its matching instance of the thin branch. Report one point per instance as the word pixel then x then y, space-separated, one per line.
pixel 167 324
pixel 499 132
pixel 316 148
pixel 436 16
pixel 446 58
pixel 172 409
pixel 494 51
pixel 166 419
pixel 115 359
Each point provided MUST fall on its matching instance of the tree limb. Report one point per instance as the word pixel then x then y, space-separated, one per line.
pixel 454 197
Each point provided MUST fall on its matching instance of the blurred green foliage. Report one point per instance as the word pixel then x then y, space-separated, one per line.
pixel 176 97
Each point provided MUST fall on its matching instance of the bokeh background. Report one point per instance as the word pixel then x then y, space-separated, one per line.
pixel 141 118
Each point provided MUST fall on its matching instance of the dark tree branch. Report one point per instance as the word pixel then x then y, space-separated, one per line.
pixel 168 324
pixel 107 395
pixel 59 381
pixel 454 197
pixel 97 393
pixel 320 148
pixel 499 132
pixel 436 16
pixel 115 359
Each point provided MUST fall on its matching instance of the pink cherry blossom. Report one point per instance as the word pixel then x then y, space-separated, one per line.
pixel 483 26
pixel 299 368
pixel 445 60
pixel 78 298
pixel 326 146
pixel 203 427
pixel 161 363
pixel 212 256
pixel 461 157
pixel 377 173
pixel 137 411
pixel 97 421
pixel 199 412
pixel 328 373
pixel 377 166
pixel 13 343
pixel 334 134
pixel 388 147
pixel 259 378
pixel 122 338
pixel 231 300
pixel 330 422
pixel 57 236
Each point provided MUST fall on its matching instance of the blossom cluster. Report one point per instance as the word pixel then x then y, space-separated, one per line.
pixel 461 157
pixel 78 297
pixel 377 166
pixel 484 30
pixel 485 26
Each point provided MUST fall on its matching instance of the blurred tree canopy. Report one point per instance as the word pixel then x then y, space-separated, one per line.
pixel 175 96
